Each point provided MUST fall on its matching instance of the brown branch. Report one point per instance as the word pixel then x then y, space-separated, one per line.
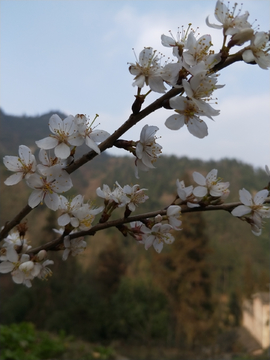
pixel 52 245
pixel 17 219
pixel 132 120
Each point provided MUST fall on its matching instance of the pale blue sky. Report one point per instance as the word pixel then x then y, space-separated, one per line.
pixel 72 56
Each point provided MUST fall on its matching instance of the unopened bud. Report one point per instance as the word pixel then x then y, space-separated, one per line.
pixel 26 266
pixel 241 37
pixel 158 218
pixel 41 255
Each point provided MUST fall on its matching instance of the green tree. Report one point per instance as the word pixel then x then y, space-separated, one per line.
pixel 183 274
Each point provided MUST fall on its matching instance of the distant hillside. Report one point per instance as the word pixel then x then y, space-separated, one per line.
pixel 18 130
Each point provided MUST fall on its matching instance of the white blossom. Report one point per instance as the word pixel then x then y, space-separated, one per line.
pixel 253 208
pixel 197 49
pixel 45 272
pixel 135 195
pixel 147 70
pixel 188 109
pixel 173 214
pixel 79 214
pixel 90 136
pixel 14 239
pixel 209 185
pixel 156 236
pixel 230 23
pixel 47 162
pixel 23 166
pixel 73 247
pixel 65 134
pixel 187 113
pixel 186 194
pixel 12 264
pixel 257 50
pixel 47 187
pixel 147 150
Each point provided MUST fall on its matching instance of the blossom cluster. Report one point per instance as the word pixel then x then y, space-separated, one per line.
pixel 155 233
pixel 128 196
pixel 49 178
pixel 23 267
pixel 194 67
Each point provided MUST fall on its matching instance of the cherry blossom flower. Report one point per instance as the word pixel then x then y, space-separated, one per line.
pixel 85 216
pixel 147 71
pixel 105 193
pixel 257 50
pixel 156 236
pixel 46 188
pixel 47 162
pixel 135 195
pixel 199 88
pixel 73 247
pixel 68 207
pixel 23 166
pixel 209 185
pixel 45 272
pixel 65 134
pixel 177 43
pixel 186 194
pixel 12 264
pixel 230 23
pixel 173 214
pixel 15 240
pixel 188 109
pixel 116 197
pixel 198 51
pixel 137 229
pixel 241 37
pixel 186 114
pixel 79 214
pixel 254 208
pixel 90 136
pixel 147 150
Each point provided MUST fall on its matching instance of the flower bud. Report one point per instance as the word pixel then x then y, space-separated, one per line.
pixel 26 266
pixel 241 37
pixel 41 255
pixel 158 218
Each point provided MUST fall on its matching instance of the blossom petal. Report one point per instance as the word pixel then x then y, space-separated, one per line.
pixel 35 198
pixel 199 178
pixel 200 191
pixel 47 143
pixel 62 151
pixel 63 220
pixel 158 246
pixel 14 179
pixel 197 128
pixel 25 154
pixel 260 197
pixel 90 143
pixel 52 200
pixel 12 163
pixel 241 210
pixel 245 197
pixel 6 267
pixel 175 122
